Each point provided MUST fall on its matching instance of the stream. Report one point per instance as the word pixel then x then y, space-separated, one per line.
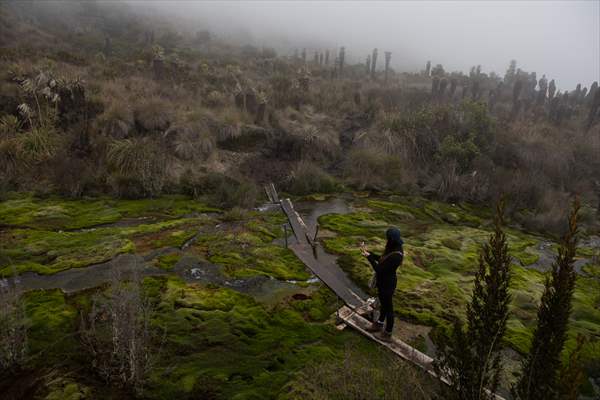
pixel 189 267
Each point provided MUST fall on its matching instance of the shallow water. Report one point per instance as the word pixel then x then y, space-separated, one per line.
pixel 189 267
pixel 547 255
pixel 194 270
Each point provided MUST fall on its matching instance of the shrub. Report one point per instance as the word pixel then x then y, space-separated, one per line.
pixel 231 193
pixel 9 157
pixel 153 115
pixel 116 121
pixel 308 178
pixel 117 333
pixel 365 376
pixel 13 328
pixel 9 126
pixel 463 153
pixel 215 99
pixel 191 141
pixel 38 145
pixel 73 176
pixel 139 166
pixel 222 190
pixel 371 169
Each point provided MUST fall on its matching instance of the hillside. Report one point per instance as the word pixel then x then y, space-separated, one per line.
pixel 133 153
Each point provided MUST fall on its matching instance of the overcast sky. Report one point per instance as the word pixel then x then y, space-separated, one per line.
pixel 558 38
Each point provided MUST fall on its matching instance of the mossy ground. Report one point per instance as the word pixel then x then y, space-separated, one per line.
pixel 213 341
pixel 221 343
pixel 245 248
pixel 442 243
pixel 51 235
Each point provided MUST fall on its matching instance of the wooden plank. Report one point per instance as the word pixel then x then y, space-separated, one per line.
pixel 297 224
pixel 328 273
pixel 355 320
pixel 269 195
pixel 274 193
pixel 397 346
pixel 324 268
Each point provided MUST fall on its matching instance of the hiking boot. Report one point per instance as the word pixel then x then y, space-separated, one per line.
pixel 385 336
pixel 375 327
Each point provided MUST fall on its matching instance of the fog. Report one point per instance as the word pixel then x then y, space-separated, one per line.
pixel 555 38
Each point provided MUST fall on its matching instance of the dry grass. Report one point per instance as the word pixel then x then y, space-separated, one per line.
pixel 13 328
pixel 361 376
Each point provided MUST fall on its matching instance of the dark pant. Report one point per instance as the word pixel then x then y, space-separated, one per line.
pixel 386 310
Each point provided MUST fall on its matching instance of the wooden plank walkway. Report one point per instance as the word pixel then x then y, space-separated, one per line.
pixel 357 303
pixel 397 346
pixel 325 268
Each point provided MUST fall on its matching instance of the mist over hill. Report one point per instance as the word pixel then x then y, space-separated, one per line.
pixel 559 39
pixel 142 253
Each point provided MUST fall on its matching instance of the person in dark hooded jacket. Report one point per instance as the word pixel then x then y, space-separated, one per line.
pixel 385 267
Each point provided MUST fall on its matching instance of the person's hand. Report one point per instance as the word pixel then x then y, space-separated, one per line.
pixel 363 249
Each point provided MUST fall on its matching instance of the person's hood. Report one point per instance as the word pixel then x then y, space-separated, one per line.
pixel 393 236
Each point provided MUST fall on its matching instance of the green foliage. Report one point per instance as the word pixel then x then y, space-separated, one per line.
pixel 52 235
pixel 258 349
pixel 308 178
pixel 463 153
pixel 38 145
pixel 472 358
pixel 168 261
pixel 9 126
pixel 59 214
pixel 140 167
pixel 66 389
pixel 52 322
pixel 230 193
pixel 541 367
pixel 247 250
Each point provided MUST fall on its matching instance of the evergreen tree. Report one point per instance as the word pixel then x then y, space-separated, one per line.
pixel 540 374
pixel 472 359
pixel 572 374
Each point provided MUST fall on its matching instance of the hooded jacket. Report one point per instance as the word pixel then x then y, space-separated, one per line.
pixel 385 266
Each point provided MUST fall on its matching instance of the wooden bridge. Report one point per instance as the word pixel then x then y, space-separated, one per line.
pixel 359 308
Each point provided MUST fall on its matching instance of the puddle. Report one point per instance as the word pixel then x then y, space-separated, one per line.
pixel 547 254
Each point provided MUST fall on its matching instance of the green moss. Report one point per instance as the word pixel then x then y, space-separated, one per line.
pixel 60 214
pixel 443 243
pixel 258 349
pixel 451 243
pixel 66 389
pixel 56 213
pixel 246 249
pixel 174 238
pixel 168 261
pixel 51 324
pixel 47 252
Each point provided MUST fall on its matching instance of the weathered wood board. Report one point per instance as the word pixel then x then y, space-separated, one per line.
pixel 397 346
pixel 325 269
